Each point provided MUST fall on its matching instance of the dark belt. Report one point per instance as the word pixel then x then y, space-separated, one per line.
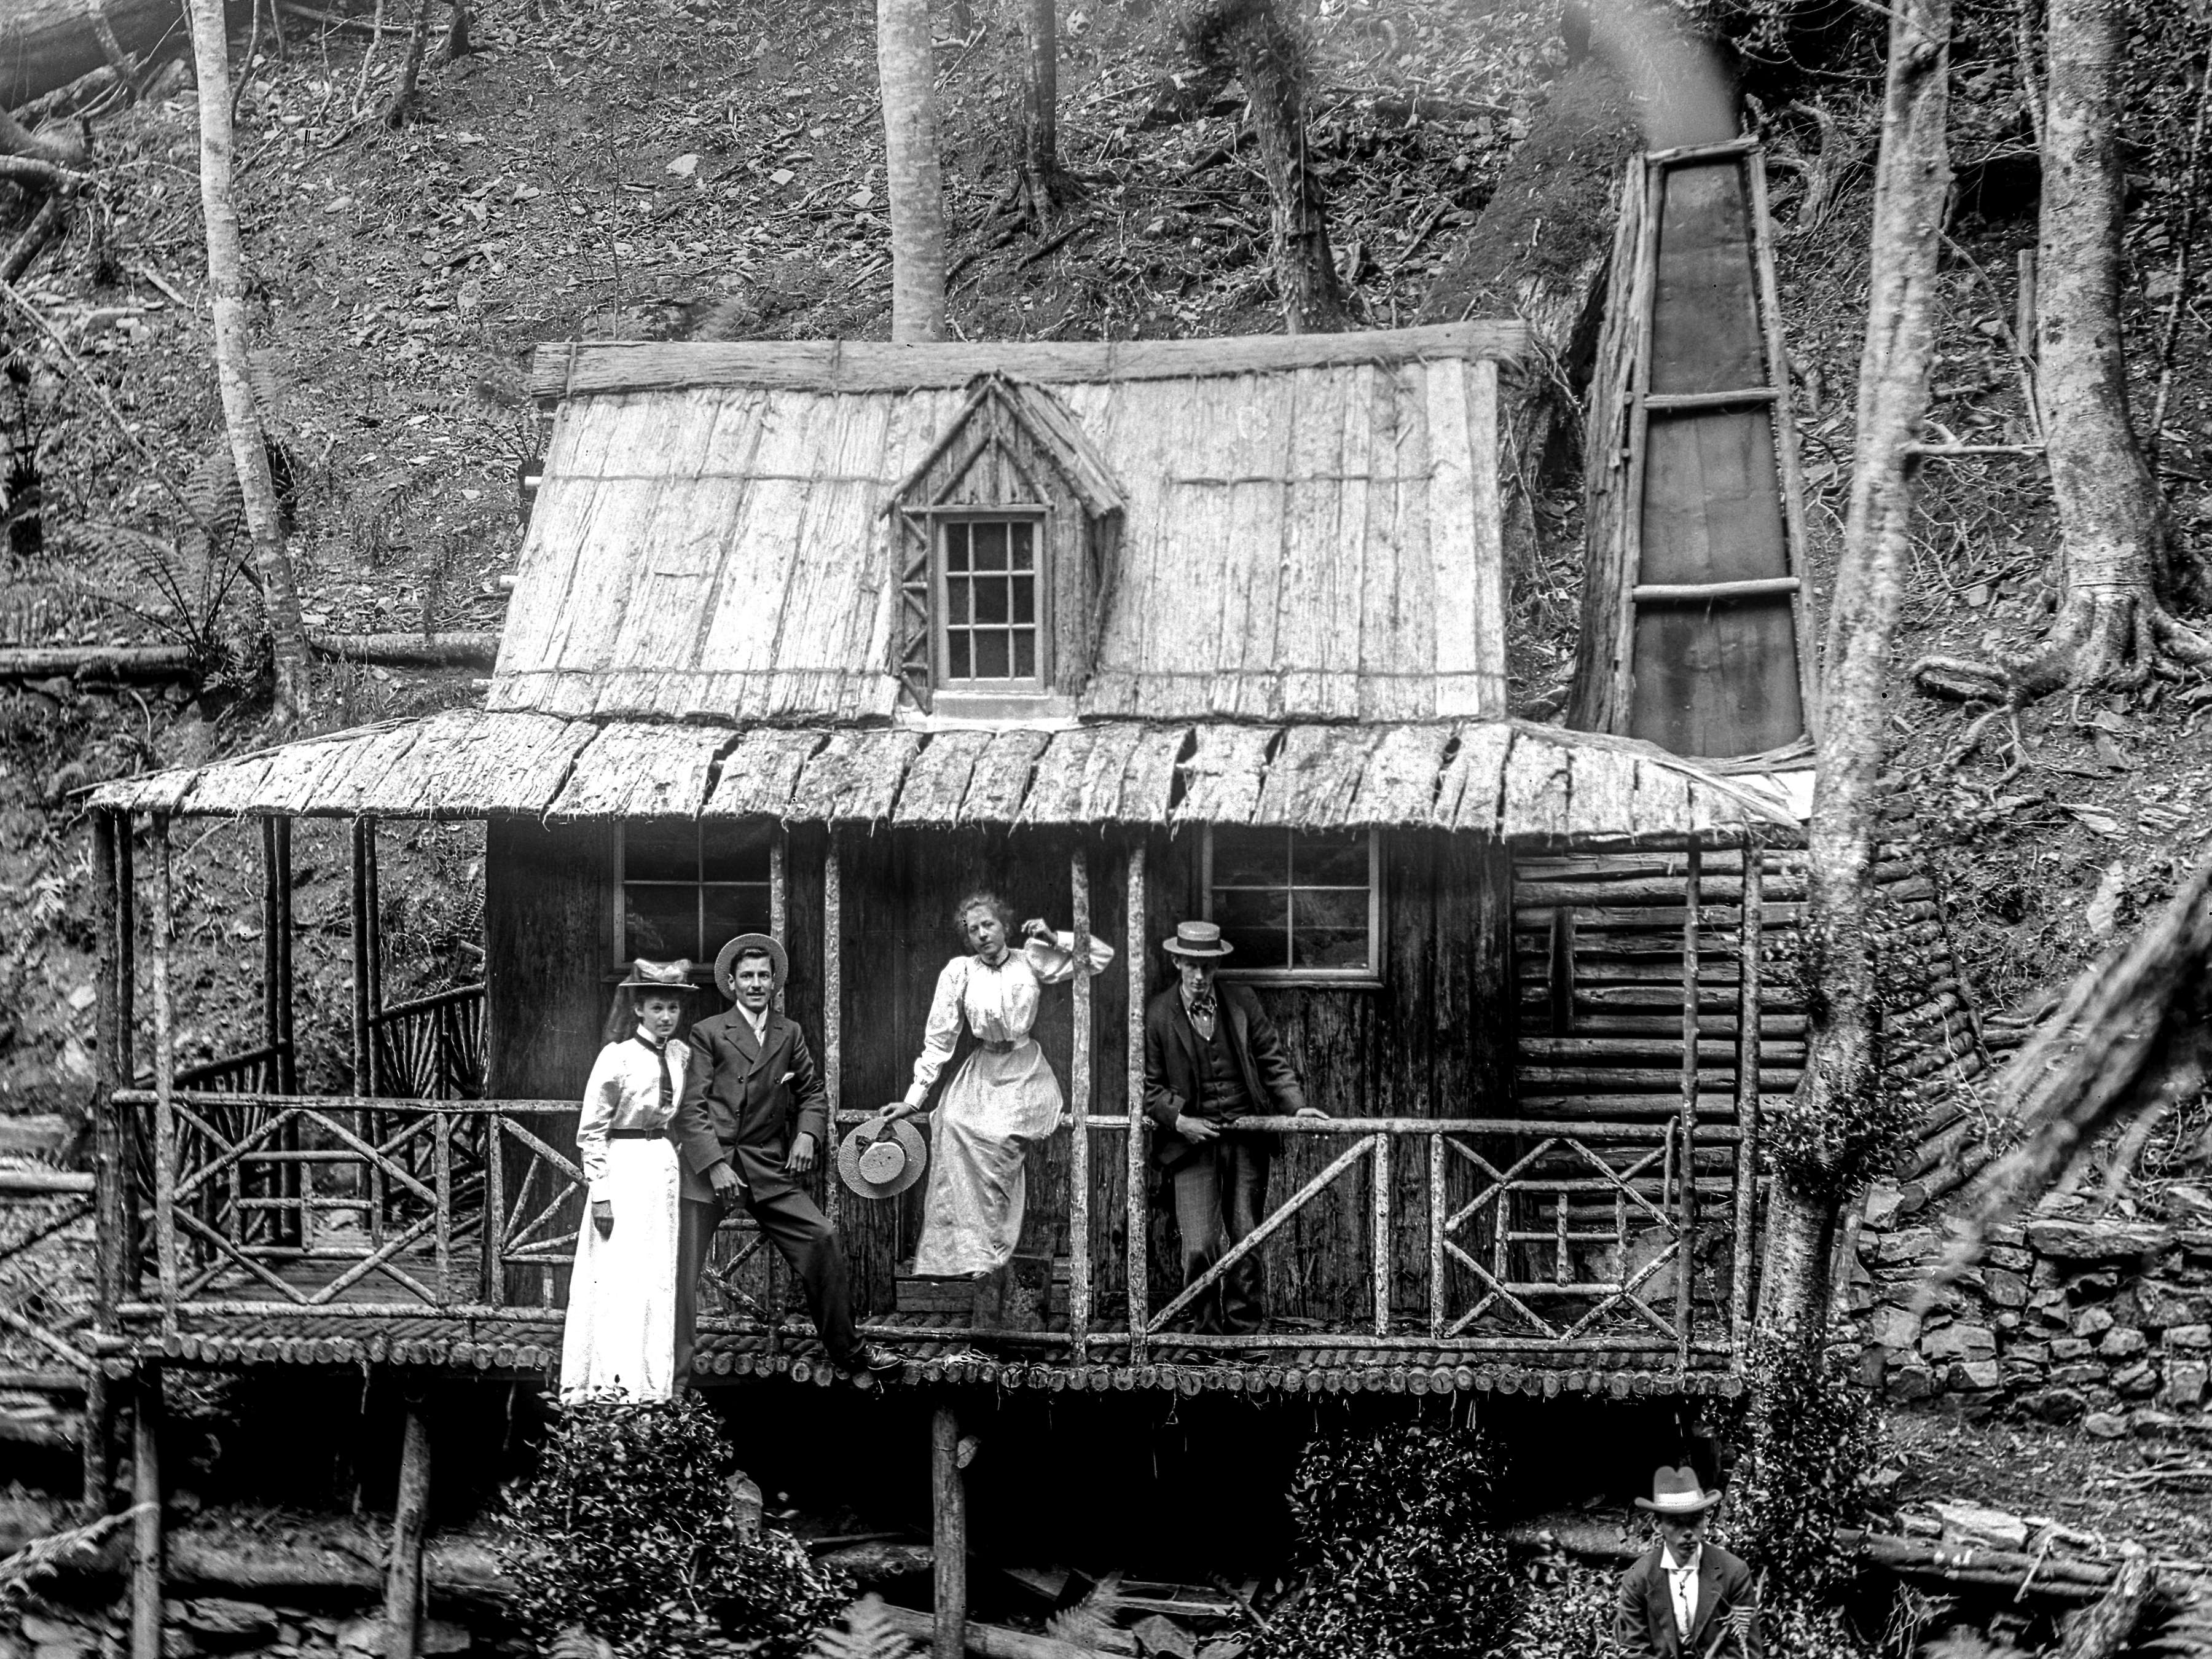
pixel 994 1048
pixel 637 1134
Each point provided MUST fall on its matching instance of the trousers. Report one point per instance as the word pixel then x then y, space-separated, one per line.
pixel 791 1222
pixel 1219 1194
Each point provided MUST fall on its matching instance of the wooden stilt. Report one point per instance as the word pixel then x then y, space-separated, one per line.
pixel 1078 1092
pixel 1136 1258
pixel 165 1077
pixel 403 1573
pixel 146 1529
pixel 948 1535
pixel 110 1224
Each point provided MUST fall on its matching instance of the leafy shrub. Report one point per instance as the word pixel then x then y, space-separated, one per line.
pixel 627 1529
pixel 1396 1542
pixel 1567 1613
pixel 1815 1438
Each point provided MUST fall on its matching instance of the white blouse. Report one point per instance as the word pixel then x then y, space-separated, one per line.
pixel 625 1093
pixel 998 1003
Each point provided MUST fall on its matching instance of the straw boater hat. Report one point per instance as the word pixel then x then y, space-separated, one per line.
pixel 745 944
pixel 657 976
pixel 1197 938
pixel 1677 1492
pixel 881 1160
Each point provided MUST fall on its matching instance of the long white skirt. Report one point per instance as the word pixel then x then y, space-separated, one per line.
pixel 993 1109
pixel 620 1338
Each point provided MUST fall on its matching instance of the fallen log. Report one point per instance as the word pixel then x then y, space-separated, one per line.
pixel 408 650
pixel 992 1641
pixel 34 1182
pixel 119 662
pixel 51 43
pixel 2100 1629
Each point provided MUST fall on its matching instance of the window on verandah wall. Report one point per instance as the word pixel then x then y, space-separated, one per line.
pixel 1297 904
pixel 991 634
pixel 689 887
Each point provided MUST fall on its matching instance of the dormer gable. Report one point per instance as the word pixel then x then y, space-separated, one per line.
pixel 1004 535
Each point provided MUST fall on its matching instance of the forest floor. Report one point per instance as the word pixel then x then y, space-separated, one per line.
pixel 642 167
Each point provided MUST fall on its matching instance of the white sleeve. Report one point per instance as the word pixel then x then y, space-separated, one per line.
pixel 1055 963
pixel 602 1094
pixel 943 1030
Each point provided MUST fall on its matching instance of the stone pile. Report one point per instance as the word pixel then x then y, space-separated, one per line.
pixel 2070 1318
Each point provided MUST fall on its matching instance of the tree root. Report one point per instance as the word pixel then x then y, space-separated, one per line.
pixel 2105 638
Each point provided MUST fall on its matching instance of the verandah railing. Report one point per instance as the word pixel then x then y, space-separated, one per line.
pixel 1481 1234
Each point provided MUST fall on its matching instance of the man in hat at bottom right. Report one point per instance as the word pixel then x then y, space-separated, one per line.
pixel 1685 1598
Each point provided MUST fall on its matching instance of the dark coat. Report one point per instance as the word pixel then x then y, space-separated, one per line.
pixel 1643 1612
pixel 747 1101
pixel 1174 1066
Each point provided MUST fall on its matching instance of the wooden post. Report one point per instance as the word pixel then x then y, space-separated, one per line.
pixel 363 1008
pixel 272 966
pixel 1079 1089
pixel 288 1062
pixel 1686 1256
pixel 1437 1201
pixel 833 1008
pixel 130 1264
pixel 403 1576
pixel 779 919
pixel 165 1079
pixel 108 1219
pixel 146 1529
pixel 1748 1042
pixel 1135 1255
pixel 948 1535
pixel 1382 1240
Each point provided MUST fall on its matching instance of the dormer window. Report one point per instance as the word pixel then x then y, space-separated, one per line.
pixel 994 593
pixel 1006 530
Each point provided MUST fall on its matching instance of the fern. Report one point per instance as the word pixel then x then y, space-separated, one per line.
pixel 1088 1626
pixel 869 1633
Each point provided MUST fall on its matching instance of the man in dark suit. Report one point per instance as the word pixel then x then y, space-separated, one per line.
pixel 1212 1056
pixel 748 1130
pixel 1685 1598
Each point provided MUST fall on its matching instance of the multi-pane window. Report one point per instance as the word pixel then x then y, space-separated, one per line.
pixel 1303 903
pixel 689 887
pixel 989 572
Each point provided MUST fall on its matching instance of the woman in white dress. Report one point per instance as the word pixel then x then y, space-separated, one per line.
pixel 1003 1098
pixel 619 1341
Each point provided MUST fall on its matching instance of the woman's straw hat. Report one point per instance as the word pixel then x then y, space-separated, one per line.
pixel 881 1160
pixel 657 976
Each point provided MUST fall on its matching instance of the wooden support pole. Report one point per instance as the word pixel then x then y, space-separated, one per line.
pixel 779 916
pixel 1749 1032
pixel 403 1573
pixel 287 1059
pixel 132 1257
pixel 833 1007
pixel 1439 1201
pixel 1381 1238
pixel 110 1225
pixel 146 1529
pixel 1685 1256
pixel 1078 1088
pixel 165 1076
pixel 1135 1256
pixel 948 1535
pixel 362 926
pixel 272 948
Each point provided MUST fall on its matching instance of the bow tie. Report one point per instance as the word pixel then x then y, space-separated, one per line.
pixel 1201 1007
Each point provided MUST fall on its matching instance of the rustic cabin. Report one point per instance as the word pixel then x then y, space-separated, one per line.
pixel 812 639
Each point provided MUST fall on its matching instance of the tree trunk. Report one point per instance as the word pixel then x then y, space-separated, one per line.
pixel 1269 57
pixel 411 68
pixel 2102 1628
pixel 908 71
pixel 280 595
pixel 50 43
pixel 1828 1139
pixel 2112 628
pixel 1039 122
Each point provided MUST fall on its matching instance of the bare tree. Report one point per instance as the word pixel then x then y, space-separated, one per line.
pixel 410 66
pixel 1043 185
pixel 242 414
pixel 1268 54
pixel 1829 1137
pixel 906 70
pixel 2113 627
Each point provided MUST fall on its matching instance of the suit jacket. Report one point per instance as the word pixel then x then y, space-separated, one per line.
pixel 747 1101
pixel 1643 1612
pixel 1175 1068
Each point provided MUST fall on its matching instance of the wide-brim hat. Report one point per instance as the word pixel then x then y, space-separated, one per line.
pixel 659 976
pixel 879 1160
pixel 1677 1492
pixel 1197 938
pixel 745 944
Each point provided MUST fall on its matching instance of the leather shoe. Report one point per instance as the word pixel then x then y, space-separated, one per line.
pixel 875 1357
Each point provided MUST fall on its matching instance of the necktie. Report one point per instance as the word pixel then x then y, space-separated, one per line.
pixel 667 1083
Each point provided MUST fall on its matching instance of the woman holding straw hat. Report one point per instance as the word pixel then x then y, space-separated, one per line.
pixel 1003 1098
pixel 619 1341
